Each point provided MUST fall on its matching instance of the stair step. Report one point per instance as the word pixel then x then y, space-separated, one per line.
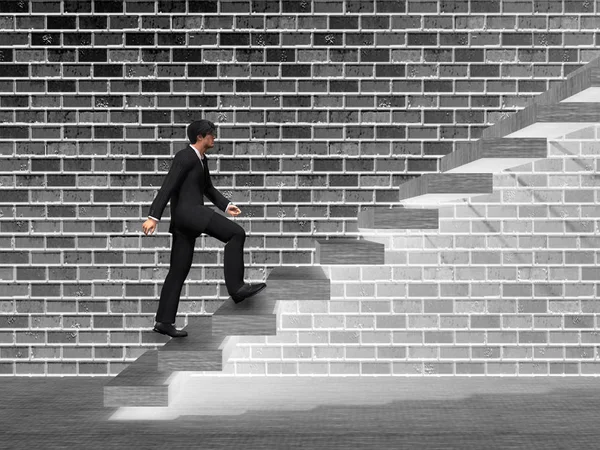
pixel 494 155
pixel 141 384
pixel 551 121
pixel 581 86
pixel 151 379
pixel 254 316
pixel 349 251
pixel 397 218
pixel 299 283
pixel 434 188
pixel 589 95
pixel 200 350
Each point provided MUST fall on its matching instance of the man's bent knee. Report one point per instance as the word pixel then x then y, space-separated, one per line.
pixel 240 233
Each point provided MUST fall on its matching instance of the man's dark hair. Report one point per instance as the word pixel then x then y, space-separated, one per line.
pixel 202 127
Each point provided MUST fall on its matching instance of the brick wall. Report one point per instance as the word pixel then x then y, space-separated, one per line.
pixel 508 285
pixel 322 107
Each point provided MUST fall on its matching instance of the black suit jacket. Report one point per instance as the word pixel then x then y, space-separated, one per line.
pixel 186 184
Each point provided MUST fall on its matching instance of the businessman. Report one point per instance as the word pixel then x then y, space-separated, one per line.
pixel 187 181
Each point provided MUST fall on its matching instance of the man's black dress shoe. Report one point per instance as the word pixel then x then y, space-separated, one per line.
pixel 169 328
pixel 247 290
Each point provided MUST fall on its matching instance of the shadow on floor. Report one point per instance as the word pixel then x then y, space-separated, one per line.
pixel 53 413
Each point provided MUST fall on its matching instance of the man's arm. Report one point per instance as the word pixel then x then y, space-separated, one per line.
pixel 218 199
pixel 172 181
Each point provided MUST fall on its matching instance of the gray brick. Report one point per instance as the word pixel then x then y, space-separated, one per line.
pixel 578 321
pixel 77 352
pixel 394 322
pixel 61 368
pixel 543 304
pixel 517 6
pixel 99 368
pixel 578 39
pixel 423 321
pixel 454 321
pixel 539 368
pixel 485 321
pixel 517 290
pixel 388 352
pixel 547 322
pixel 519 321
pixel 470 368
pixel 485 352
pixel 548 352
pixel 501 368
pixel 502 337
pixel 560 368
pixel 532 306
pixel 30 368
pixel 589 368
pixel 501 306
pixel 533 337
pixel 422 352
pixel 438 368
pixel 341 337
pixel 423 290
pixel 380 368
pixel 578 7
pixel 438 306
pixel 484 39
pixel 453 6
pixel 439 337
pixel 589 22
pixel 590 306
pixel 408 306
pixel 454 353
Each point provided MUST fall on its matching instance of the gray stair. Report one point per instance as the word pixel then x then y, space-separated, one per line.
pixel 150 380
pixel 494 155
pixel 349 251
pixel 254 316
pixel 298 283
pixel 568 106
pixel 580 87
pixel 200 350
pixel 550 121
pixel 397 218
pixel 141 384
pixel 434 188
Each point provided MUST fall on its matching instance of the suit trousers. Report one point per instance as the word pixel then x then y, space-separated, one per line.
pixel 182 253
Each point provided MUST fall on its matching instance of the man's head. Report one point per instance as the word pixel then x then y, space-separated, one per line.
pixel 202 132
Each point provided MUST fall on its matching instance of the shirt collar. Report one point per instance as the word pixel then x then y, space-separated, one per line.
pixel 197 152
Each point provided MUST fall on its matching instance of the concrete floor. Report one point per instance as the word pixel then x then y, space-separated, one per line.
pixel 422 413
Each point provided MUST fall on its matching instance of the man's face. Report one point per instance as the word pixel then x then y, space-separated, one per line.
pixel 208 140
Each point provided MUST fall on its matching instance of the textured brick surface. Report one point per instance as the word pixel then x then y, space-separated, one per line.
pixel 506 286
pixel 322 107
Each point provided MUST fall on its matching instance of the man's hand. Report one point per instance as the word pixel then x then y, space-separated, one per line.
pixel 233 210
pixel 149 226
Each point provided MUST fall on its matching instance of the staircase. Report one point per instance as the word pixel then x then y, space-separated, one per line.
pixel 521 138
pixel 151 379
